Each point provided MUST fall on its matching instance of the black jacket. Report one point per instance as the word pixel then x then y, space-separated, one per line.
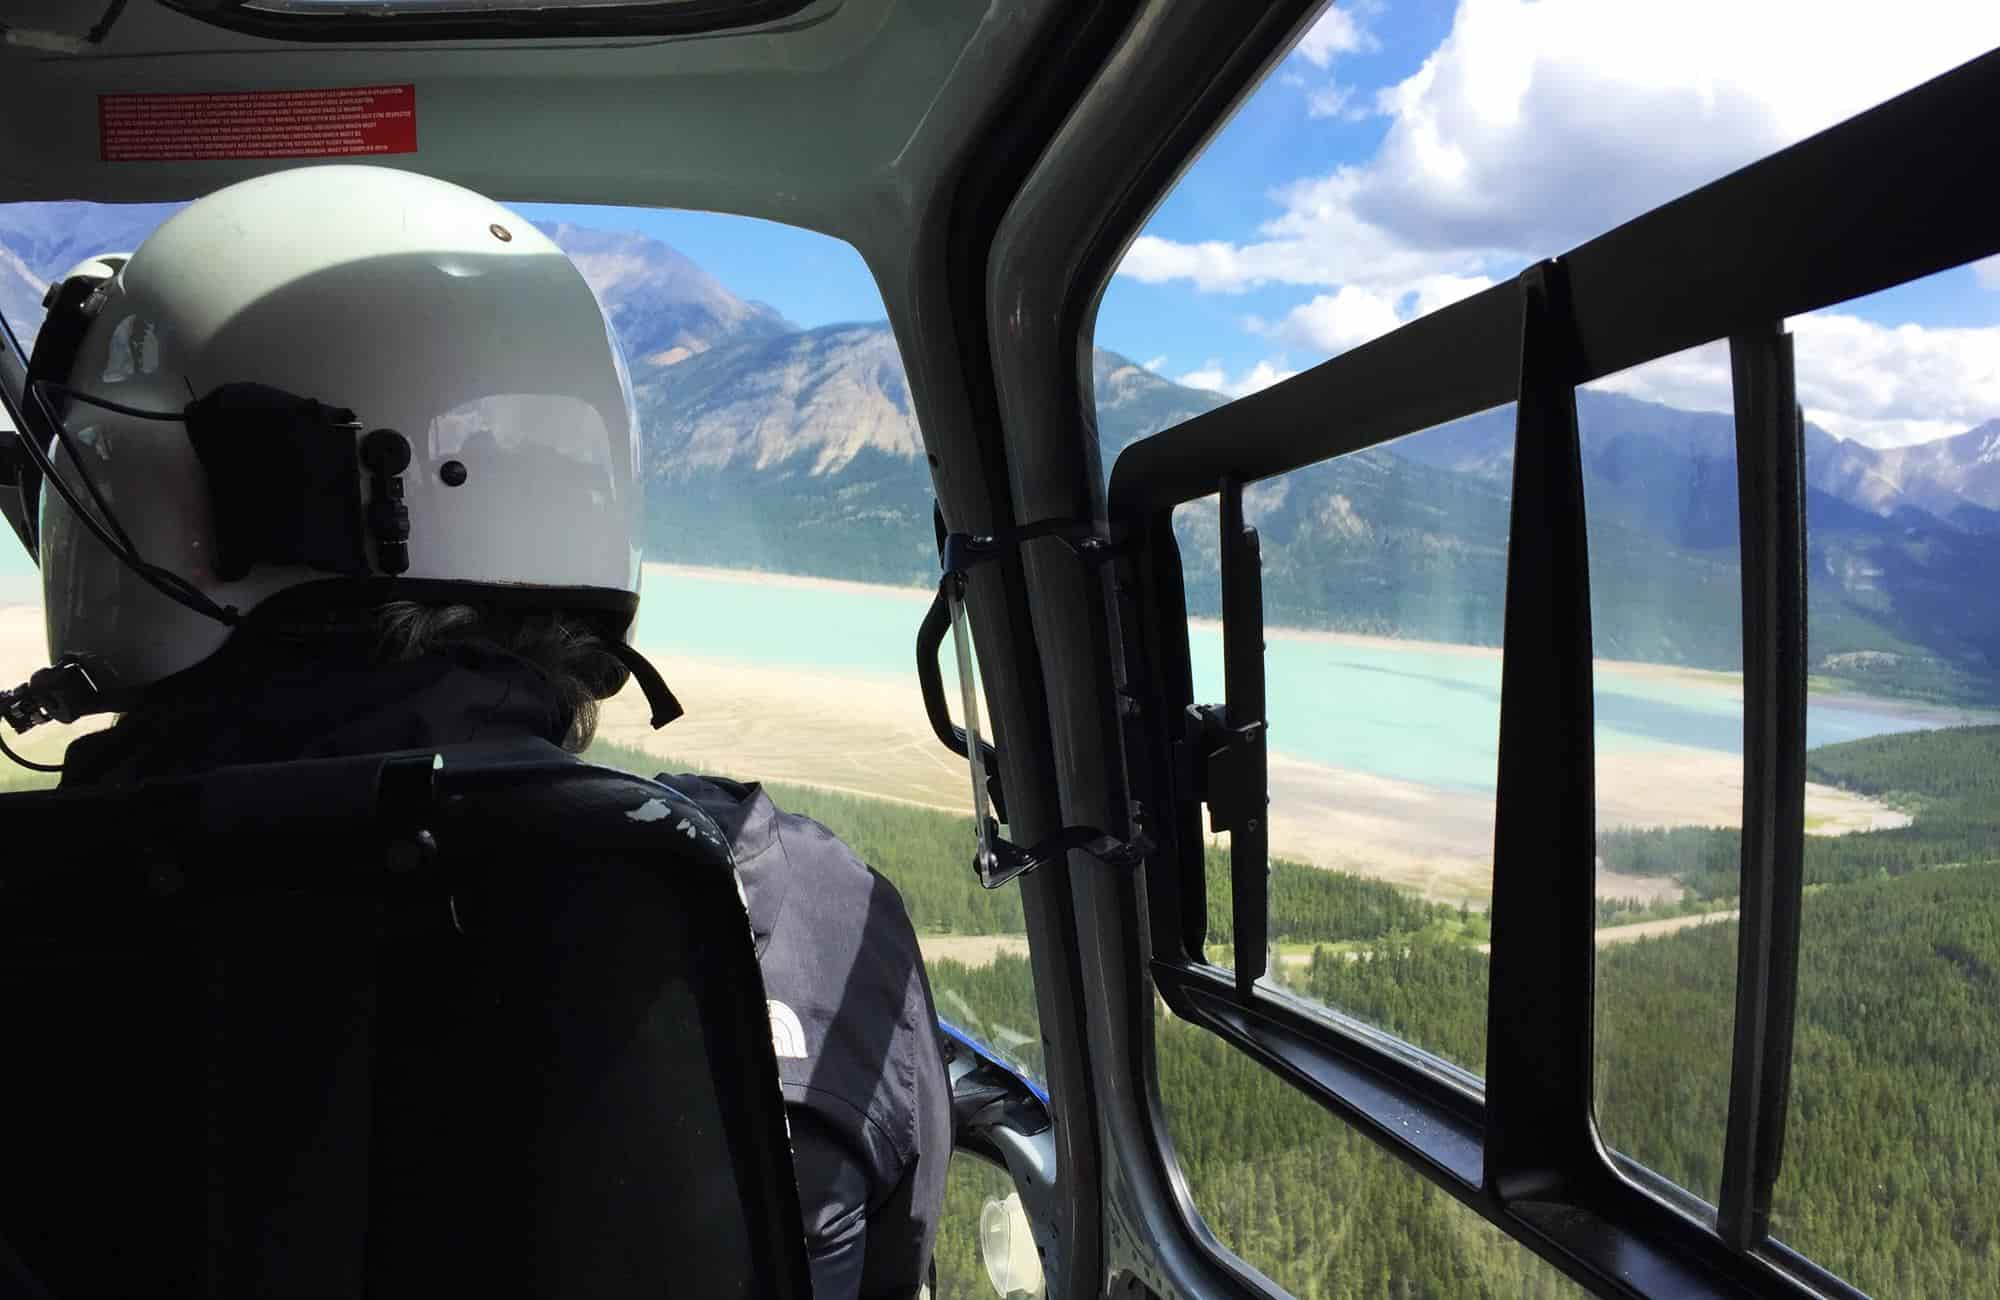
pixel 852 1018
pixel 856 1038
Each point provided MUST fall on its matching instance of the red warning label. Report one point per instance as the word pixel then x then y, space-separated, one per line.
pixel 345 122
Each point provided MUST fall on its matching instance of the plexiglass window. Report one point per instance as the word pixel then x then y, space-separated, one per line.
pixel 788 543
pixel 1311 1203
pixel 1404 157
pixel 1384 585
pixel 1666 596
pixel 1895 1106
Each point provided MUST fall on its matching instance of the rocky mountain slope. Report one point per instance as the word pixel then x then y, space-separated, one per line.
pixel 664 307
pixel 774 447
pixel 1897 540
pixel 1957 479
pixel 802 452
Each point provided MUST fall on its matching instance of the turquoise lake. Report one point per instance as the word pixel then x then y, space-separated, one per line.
pixel 1417 712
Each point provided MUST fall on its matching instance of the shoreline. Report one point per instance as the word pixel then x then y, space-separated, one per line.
pixel 1927 712
pixel 773 578
pixel 873 740
pixel 1721 681
pixel 867 735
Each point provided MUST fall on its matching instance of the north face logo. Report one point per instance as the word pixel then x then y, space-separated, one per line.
pixel 788 1036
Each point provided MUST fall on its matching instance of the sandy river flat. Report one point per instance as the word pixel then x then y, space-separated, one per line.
pixel 867 733
pixel 869 736
pixel 1606 937
pixel 972 949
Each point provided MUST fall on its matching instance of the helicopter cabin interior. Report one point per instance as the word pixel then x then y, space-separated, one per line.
pixel 1134 608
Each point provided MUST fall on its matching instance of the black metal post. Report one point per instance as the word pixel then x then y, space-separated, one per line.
pixel 1539 1031
pixel 1243 693
pixel 1770 490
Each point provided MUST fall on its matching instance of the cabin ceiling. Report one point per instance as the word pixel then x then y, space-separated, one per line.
pixel 843 116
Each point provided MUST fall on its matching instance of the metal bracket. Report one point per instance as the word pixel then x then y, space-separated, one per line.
pixel 959 553
pixel 930 684
pixel 996 860
pixel 1223 752
pixel 1217 766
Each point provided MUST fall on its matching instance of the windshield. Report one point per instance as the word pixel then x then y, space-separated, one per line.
pixel 789 550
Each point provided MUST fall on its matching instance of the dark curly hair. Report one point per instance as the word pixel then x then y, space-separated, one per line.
pixel 564 650
pixel 206 717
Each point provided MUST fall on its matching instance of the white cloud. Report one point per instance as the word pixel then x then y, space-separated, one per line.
pixel 1987 272
pixel 1338 31
pixel 1212 266
pixel 1331 100
pixel 1434 291
pixel 1695 380
pixel 1157 362
pixel 1886 386
pixel 1537 124
pixel 1213 378
pixel 1891 385
pixel 1331 323
pixel 1320 242
pixel 1334 322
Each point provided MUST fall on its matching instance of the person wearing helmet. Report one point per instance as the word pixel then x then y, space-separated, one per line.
pixel 344 460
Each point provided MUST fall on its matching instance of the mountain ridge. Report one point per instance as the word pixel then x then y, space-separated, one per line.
pixel 663 305
pixel 807 454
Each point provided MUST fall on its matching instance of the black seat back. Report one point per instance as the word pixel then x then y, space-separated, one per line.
pixel 387 1028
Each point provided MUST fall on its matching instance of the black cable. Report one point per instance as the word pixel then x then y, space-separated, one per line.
pixel 13 341
pixel 96 35
pixel 28 763
pixel 78 44
pixel 165 417
pixel 33 447
pixel 60 429
pixel 16 406
pixel 166 582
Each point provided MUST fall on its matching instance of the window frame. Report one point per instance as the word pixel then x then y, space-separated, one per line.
pixel 13 463
pixel 1731 260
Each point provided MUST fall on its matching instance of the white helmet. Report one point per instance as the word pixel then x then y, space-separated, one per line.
pixel 394 302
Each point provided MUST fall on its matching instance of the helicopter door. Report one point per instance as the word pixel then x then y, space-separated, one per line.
pixel 998 1226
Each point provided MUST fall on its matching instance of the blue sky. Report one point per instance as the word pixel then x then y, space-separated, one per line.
pixel 811 278
pixel 1273 139
pixel 1411 152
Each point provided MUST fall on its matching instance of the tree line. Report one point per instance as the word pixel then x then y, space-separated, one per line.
pixel 1948 780
pixel 1894 1128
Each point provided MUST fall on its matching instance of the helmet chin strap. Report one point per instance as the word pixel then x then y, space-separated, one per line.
pixel 661 700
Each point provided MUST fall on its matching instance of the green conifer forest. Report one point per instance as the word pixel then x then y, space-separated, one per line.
pixel 1892 1164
